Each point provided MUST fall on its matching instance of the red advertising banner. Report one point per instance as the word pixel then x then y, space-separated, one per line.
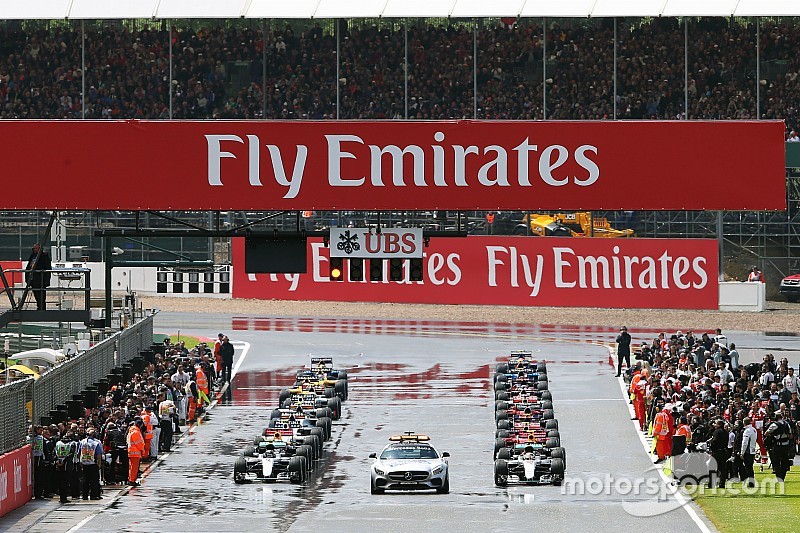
pixel 522 271
pixel 400 165
pixel 16 479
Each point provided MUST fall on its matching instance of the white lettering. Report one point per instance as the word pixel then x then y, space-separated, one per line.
pixel 280 170
pixel 494 262
pixel 438 161
pixel 679 268
pixel 588 164
pixel 594 263
pixel 560 264
pixel 335 156
pixel 500 163
pixel 700 271
pixel 647 277
pixel 435 264
pixel 522 161
pixel 397 164
pixel 216 154
pixel 452 263
pixel 461 154
pixel 665 260
pixel 546 167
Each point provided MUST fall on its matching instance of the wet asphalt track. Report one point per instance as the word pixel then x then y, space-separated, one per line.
pixel 425 377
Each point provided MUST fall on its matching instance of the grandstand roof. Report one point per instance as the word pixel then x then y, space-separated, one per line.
pixel 306 9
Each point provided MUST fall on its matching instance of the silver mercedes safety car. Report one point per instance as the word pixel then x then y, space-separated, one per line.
pixel 408 462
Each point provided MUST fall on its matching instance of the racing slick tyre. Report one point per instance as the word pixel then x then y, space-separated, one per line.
pixel 326 424
pixel 501 368
pixel 559 453
pixel 551 424
pixel 445 488
pixel 548 414
pixel 313 442
pixel 239 470
pixel 552 443
pixel 500 473
pixel 373 489
pixel 502 434
pixel 541 385
pixel 257 441
pixel 557 468
pixel 547 404
pixel 276 413
pixel 553 434
pixel 503 424
pixel 499 444
pixel 325 411
pixel 547 395
pixel 249 451
pixel 286 404
pixel 306 451
pixel 541 377
pixel 340 388
pixel 329 392
pixel 285 395
pixel 500 405
pixel 324 427
pixel 501 415
pixel 504 454
pixel 541 367
pixel 320 434
pixel 501 395
pixel 342 375
pixel 335 405
pixel 297 470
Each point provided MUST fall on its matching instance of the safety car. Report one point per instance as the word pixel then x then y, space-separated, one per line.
pixel 409 462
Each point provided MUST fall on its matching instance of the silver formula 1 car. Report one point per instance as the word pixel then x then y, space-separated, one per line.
pixel 408 462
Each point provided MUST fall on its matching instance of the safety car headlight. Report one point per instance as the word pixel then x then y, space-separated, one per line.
pixel 438 470
pixel 379 471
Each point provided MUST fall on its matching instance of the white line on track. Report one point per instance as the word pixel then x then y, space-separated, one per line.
pixel 668 482
pixel 245 347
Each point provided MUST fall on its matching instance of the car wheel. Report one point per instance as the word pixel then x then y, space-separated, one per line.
pixel 541 367
pixel 500 406
pixel 504 453
pixel 501 368
pixel 239 470
pixel 276 413
pixel 249 451
pixel 373 489
pixel 503 424
pixel 547 404
pixel 311 442
pixel 502 434
pixel 296 468
pixel 285 395
pixel 501 395
pixel 501 415
pixel 548 414
pixel 547 395
pixel 500 473
pixel 541 385
pixel 551 443
pixel 335 405
pixel 559 453
pixel 445 488
pixel 340 388
pixel 553 434
pixel 557 467
pixel 551 424
pixel 308 454
pixel 320 434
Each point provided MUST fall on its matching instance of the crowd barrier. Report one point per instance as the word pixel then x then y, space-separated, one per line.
pixel 28 401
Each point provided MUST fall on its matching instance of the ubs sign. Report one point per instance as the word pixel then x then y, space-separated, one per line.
pixel 367 243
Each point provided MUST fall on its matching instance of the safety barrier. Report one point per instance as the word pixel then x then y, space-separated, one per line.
pixel 13 429
pixel 61 383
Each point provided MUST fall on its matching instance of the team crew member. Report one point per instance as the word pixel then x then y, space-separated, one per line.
pixel 623 349
pixel 166 413
pixel 227 352
pixel 135 451
pixel 748 452
pixel 780 435
pixel 91 451
pixel 63 464
pixel 662 434
pixel 718 446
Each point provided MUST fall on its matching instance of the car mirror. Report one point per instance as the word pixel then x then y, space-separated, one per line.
pixel 373 456
pixel 445 454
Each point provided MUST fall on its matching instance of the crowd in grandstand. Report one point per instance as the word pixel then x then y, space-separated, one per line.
pixel 134 422
pixel 128 71
pixel 689 390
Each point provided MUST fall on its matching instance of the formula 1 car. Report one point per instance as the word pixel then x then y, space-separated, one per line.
pixel 322 374
pixel 530 467
pixel 274 459
pixel 521 360
pixel 302 422
pixel 408 462
pixel 309 400
pixel 547 438
pixel 524 393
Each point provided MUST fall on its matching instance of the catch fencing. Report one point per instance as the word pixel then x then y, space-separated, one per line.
pixel 27 401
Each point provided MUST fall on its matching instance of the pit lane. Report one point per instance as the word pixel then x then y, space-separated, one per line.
pixel 433 379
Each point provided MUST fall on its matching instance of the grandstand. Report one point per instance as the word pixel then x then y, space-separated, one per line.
pixel 382 60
